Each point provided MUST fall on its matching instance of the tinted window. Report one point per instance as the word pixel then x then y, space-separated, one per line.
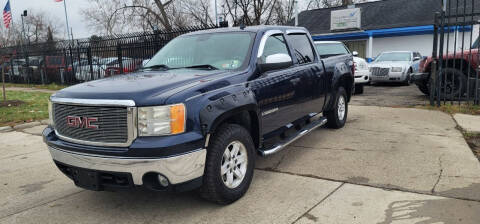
pixel 274 45
pixel 302 49
pixel 331 49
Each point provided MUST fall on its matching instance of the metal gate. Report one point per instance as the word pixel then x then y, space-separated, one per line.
pixel 455 71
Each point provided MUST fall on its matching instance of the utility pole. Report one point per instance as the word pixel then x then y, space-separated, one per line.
pixel 216 13
pixel 3 82
pixel 66 18
pixel 295 5
pixel 24 34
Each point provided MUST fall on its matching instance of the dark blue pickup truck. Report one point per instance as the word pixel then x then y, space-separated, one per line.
pixel 199 112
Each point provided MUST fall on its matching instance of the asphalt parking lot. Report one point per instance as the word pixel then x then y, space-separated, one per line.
pixel 388 165
pixel 390 95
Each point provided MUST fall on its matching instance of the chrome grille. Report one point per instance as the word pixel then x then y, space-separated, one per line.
pixel 112 123
pixel 380 71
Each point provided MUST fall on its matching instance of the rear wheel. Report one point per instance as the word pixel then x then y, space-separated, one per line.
pixel 423 87
pixel 229 166
pixel 359 88
pixel 337 117
pixel 452 83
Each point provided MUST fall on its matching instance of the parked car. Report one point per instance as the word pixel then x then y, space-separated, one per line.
pixel 128 65
pixel 100 66
pixel 394 66
pixel 328 49
pixel 455 74
pixel 199 122
pixel 53 65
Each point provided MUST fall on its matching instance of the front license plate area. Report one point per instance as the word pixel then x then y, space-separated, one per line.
pixel 86 179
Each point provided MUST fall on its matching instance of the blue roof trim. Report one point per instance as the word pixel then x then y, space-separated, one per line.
pixel 393 32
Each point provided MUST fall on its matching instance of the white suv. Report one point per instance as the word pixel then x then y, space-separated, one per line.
pixel 335 48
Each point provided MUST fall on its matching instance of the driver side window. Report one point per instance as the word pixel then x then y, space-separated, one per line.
pixel 274 45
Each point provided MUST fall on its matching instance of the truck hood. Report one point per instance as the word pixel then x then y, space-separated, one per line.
pixel 145 88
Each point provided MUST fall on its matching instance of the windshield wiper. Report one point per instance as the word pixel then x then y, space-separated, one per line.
pixel 156 67
pixel 211 67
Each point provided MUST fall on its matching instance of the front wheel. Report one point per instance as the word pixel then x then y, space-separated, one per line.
pixel 229 166
pixel 337 117
pixel 408 78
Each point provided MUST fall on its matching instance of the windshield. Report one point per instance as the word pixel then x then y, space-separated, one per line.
pixel 394 56
pixel 225 51
pixel 331 49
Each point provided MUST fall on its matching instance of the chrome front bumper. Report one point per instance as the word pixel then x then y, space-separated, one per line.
pixel 177 169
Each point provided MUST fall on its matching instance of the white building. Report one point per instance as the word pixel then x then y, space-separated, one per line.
pixel 389 25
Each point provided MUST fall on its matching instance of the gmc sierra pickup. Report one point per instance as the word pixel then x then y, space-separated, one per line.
pixel 199 111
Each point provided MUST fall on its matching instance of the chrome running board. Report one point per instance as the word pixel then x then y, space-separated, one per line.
pixel 285 142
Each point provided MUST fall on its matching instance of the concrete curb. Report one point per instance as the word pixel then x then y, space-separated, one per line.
pixel 26 125
pixel 45 122
pixel 469 123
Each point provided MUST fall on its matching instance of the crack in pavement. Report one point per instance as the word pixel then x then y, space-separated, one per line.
pixel 323 199
pixel 22 131
pixel 386 188
pixel 404 133
pixel 280 161
pixel 23 154
pixel 339 149
pixel 439 175
pixel 41 204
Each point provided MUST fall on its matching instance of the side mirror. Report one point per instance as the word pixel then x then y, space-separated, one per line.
pixel 275 62
pixel 416 58
pixel 355 53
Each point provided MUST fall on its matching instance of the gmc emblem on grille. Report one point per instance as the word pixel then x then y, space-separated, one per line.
pixel 82 122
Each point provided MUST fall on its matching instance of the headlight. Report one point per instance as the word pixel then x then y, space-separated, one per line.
pixel 50 113
pixel 397 69
pixel 161 120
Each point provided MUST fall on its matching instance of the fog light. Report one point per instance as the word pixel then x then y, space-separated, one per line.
pixel 162 180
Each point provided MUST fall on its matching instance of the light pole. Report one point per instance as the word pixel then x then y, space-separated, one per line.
pixel 295 5
pixel 24 14
pixel 24 36
pixel 216 14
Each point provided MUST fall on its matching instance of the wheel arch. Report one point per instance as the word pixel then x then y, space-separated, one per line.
pixel 241 110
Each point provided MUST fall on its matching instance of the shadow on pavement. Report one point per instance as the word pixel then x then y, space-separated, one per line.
pixel 442 210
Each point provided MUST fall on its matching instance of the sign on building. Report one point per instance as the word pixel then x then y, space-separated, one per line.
pixel 346 19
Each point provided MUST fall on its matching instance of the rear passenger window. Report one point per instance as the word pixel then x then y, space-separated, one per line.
pixel 303 50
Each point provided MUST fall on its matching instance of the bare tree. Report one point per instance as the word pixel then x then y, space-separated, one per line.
pixel 252 12
pixel 317 4
pixel 38 25
pixel 119 16
pixel 199 11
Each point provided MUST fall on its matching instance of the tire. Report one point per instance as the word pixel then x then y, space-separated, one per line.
pixel 214 186
pixel 359 89
pixel 452 83
pixel 407 79
pixel 423 88
pixel 335 119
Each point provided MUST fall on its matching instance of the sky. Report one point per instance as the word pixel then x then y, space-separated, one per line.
pixel 56 10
